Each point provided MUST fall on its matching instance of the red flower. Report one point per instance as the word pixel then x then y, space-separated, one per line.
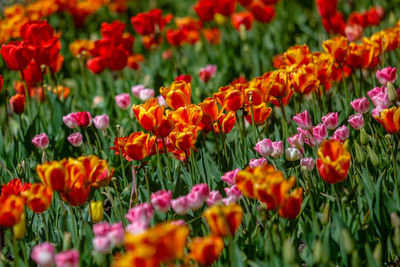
pixel 83 118
pixel 184 77
pixel 334 24
pixel 150 22
pixel 261 12
pixel 245 18
pixel 16 55
pixel 17 103
pixel 1 82
pixel 33 74
pixel 327 8
pixel 96 65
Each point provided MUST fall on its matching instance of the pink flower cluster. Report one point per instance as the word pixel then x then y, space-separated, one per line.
pixel 139 218
pixel 266 148
pixel 141 92
pixel 44 255
pixel 78 119
pixel 194 200
pixel 107 236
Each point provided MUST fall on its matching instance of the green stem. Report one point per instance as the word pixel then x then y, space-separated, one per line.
pixel 74 230
pixel 16 252
pixel 46 229
pixel 346 92
pixel 167 160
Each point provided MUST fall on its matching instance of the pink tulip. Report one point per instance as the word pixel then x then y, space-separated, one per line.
pixel 214 198
pixel 202 189
pixel 146 94
pixel 161 101
pixel 257 162
pixel 161 200
pixel 292 154
pixel 101 229
pixel 41 141
pixel 353 32
pixel 320 133
pixel 307 164
pixel 308 137
pixel 123 101
pixel 43 254
pixel 303 120
pixel 331 120
pixel 277 149
pixel 136 228
pixel 379 97
pixel 136 89
pixel 341 133
pixel 69 258
pixel 140 213
pixel 356 121
pixel 117 234
pixel 233 192
pixel 180 205
pixel 296 140
pixel 360 105
pixel 229 177
pixel 75 139
pixel 70 121
pixel 101 244
pixel 101 122
pixel 194 200
pixel 264 147
pixel 207 72
pixel 377 111
pixel 386 75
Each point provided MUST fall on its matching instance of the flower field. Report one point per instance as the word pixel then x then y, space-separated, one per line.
pixel 199 133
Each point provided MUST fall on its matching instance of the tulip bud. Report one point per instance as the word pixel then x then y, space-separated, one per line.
pixel 123 101
pixel 161 200
pixel 359 154
pixel 347 241
pixel 292 154
pixel 101 122
pixel 395 220
pixel 75 139
pixel 326 213
pixel 307 164
pixel 41 141
pixel 43 254
pixel 318 253
pixel 377 254
pixel 392 93
pixel 396 237
pixel 331 120
pixel 97 211
pixel 373 157
pixel 355 258
pixel 19 229
pixel 180 205
pixel 67 240
pixel 219 19
pixel 17 103
pixel 288 251
pixel 363 137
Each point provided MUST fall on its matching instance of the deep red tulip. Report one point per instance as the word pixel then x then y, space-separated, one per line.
pixel 16 55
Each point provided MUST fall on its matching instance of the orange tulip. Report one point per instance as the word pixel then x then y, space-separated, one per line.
pixel 97 170
pixel 53 174
pixel 224 220
pixel 337 47
pixel 184 137
pixel 278 82
pixel 165 126
pixel 231 97
pixel 12 207
pixel 333 162
pixel 226 121
pixel 291 206
pixel 148 114
pixel 136 146
pixel 38 197
pixel 205 250
pixel 297 55
pixel 178 94
pixel 210 110
pixel 303 81
pixel 260 113
pixel 157 242
pixel 190 114
pixel 390 119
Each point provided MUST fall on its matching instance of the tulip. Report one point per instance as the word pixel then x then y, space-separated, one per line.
pixel 161 200
pixel 356 121
pixel 178 94
pixel 12 207
pixel 277 149
pixel 136 228
pixel 360 105
pixel 41 141
pixel 43 254
pixel 214 198
pixel 379 97
pixel 19 229
pixel 16 55
pixel 180 205
pixel 161 101
pixel 1 82
pixel 194 200
pixel 292 154
pixel 75 139
pixel 101 122
pixel 320 133
pixel 69 258
pixel 38 197
pixel 207 72
pixel 307 164
pixel 229 177
pixel 206 250
pixel 333 162
pixel 140 213
pixel 341 133
pixel 386 75
pixel 257 162
pixel 123 101
pixel 296 140
pixel 117 234
pixel 146 94
pixel 292 204
pixel 97 211
pixel 184 77
pixel 17 103
pixel 377 111
pixel 70 121
pixel 101 245
pixel 303 120
pixel 390 119
pixel 233 193
pixel 83 119
pixel 136 89
pixel 264 147
pixel 330 120
pixel 224 220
